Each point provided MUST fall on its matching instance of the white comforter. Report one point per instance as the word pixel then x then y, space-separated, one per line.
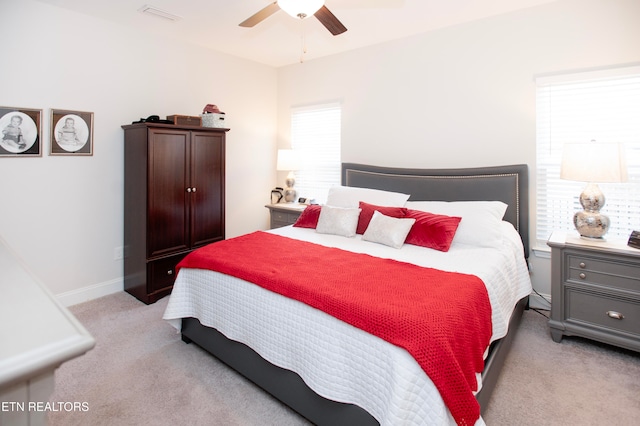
pixel 335 359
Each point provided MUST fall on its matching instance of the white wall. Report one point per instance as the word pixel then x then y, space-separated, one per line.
pixel 465 95
pixel 64 215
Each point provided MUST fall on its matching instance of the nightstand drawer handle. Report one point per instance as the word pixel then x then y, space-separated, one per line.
pixel 170 272
pixel 615 315
pixel 583 265
pixel 582 275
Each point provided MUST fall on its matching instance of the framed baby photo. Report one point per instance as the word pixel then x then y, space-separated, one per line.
pixel 21 132
pixel 71 132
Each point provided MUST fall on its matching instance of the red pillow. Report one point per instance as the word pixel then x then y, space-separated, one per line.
pixel 309 217
pixel 367 211
pixel 432 230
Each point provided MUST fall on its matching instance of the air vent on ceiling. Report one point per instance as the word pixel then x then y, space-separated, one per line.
pixel 154 11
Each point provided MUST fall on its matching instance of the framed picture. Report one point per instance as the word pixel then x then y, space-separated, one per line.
pixel 71 132
pixel 20 129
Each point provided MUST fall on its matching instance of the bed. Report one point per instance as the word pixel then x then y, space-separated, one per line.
pixel 332 372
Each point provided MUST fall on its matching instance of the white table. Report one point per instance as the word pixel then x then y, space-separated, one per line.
pixel 37 334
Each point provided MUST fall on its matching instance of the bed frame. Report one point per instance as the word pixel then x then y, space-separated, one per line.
pixel 501 183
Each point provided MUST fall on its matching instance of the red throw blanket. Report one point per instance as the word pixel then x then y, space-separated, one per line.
pixel 443 319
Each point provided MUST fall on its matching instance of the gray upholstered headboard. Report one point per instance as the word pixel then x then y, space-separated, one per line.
pixel 509 184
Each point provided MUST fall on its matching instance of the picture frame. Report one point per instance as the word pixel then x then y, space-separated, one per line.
pixel 20 132
pixel 71 132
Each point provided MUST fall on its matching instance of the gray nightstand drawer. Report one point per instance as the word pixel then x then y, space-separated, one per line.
pixel 604 272
pixel 279 224
pixel 602 311
pixel 284 214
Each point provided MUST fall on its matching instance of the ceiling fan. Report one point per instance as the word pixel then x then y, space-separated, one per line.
pixel 299 9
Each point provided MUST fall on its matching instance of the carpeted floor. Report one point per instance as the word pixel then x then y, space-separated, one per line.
pixel 140 372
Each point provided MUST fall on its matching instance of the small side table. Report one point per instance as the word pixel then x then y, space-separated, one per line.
pixel 283 214
pixel 595 291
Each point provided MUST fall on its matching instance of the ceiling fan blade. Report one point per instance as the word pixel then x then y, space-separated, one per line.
pixel 330 21
pixel 261 15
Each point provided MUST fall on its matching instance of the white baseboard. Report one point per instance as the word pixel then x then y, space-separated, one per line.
pixel 91 292
pixel 540 301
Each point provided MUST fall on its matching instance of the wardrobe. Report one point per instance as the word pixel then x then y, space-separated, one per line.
pixel 174 191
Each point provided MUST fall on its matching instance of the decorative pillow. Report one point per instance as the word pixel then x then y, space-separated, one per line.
pixel 481 220
pixel 309 217
pixel 338 221
pixel 386 230
pixel 367 211
pixel 348 196
pixel 432 230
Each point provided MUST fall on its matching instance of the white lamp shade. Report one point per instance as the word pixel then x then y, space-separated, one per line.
pixel 287 160
pixel 594 162
pixel 300 8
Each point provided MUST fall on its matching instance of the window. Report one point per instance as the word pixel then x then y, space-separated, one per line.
pixel 599 105
pixel 315 136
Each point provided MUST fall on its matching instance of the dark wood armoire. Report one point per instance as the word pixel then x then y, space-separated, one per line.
pixel 174 191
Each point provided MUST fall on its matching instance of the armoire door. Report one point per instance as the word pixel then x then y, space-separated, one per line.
pixel 168 208
pixel 207 184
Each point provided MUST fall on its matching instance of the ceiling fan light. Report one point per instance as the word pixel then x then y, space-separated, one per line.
pixel 300 8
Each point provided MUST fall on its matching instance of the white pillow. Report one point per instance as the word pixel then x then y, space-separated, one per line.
pixel 480 224
pixel 338 221
pixel 496 209
pixel 349 196
pixel 387 230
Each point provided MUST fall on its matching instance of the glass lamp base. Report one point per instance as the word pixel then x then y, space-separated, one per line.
pixel 289 192
pixel 591 225
pixel 289 195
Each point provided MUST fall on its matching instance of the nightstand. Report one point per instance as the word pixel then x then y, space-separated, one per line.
pixel 283 214
pixel 595 291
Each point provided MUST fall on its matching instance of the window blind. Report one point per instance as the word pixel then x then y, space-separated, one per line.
pixel 315 136
pixel 600 105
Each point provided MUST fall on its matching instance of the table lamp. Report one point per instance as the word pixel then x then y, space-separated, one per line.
pixel 288 161
pixel 593 162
